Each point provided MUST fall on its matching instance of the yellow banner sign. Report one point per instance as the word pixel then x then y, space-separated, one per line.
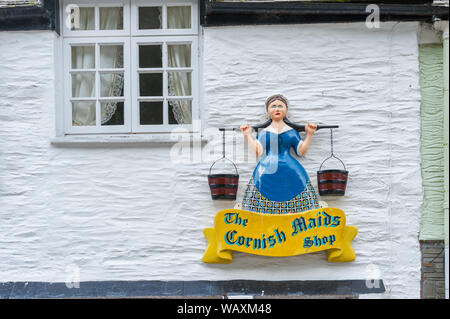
pixel 280 235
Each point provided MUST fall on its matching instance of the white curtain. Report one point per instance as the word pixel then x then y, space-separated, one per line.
pixel 83 85
pixel 180 56
pixel 83 57
pixel 85 17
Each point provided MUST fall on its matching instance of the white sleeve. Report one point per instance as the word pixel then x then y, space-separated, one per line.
pixel 297 150
pixel 262 148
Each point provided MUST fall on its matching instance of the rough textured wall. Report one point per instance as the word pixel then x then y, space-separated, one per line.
pixel 130 213
pixel 432 138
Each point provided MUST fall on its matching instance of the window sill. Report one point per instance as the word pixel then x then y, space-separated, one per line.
pixel 80 140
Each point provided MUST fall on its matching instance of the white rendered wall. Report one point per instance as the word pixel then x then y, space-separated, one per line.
pixel 127 212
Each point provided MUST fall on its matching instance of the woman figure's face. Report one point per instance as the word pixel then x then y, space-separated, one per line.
pixel 277 110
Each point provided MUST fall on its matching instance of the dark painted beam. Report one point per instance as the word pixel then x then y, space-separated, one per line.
pixel 248 13
pixel 38 17
pixel 202 288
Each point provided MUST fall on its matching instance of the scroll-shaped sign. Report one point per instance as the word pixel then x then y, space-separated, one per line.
pixel 280 235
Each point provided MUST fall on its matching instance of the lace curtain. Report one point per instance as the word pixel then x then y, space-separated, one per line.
pixel 112 57
pixel 83 57
pixel 180 82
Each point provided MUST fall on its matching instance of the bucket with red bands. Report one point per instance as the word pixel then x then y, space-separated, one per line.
pixel 332 181
pixel 223 186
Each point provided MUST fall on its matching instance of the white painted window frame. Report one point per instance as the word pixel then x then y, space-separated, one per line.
pixel 130 37
pixel 163 4
pixel 164 41
pixel 67 32
pixel 98 128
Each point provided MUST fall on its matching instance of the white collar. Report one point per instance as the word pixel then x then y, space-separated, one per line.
pixel 271 129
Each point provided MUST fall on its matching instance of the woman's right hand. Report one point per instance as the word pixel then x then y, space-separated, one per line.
pixel 254 145
pixel 246 129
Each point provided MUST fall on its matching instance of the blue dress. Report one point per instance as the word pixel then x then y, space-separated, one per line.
pixel 279 183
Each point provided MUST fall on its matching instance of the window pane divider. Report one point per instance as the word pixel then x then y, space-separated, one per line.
pixel 179 69
pixel 112 99
pixel 111 70
pixel 83 99
pixel 150 70
pixel 179 98
pixel 98 117
pixel 82 70
pixel 150 98
pixel 165 76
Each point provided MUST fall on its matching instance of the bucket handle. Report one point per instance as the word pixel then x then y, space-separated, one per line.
pixel 235 168
pixel 223 154
pixel 332 153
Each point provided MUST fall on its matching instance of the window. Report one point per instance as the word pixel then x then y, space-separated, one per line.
pixel 130 66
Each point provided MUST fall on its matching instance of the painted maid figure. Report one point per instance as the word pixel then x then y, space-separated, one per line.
pixel 279 184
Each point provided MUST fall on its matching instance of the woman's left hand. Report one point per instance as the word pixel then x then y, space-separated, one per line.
pixel 310 129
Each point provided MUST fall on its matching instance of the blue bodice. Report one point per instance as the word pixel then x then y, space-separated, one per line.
pixel 278 175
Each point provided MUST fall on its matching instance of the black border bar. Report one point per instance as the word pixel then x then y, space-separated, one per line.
pixel 37 17
pixel 202 288
pixel 294 12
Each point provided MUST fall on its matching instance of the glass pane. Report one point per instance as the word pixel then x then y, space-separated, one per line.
pixel 150 18
pixel 179 84
pixel 151 113
pixel 150 84
pixel 150 56
pixel 112 113
pixel 111 18
pixel 179 17
pixel 83 57
pixel 83 113
pixel 180 112
pixel 111 56
pixel 111 84
pixel 179 56
pixel 83 84
pixel 82 18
